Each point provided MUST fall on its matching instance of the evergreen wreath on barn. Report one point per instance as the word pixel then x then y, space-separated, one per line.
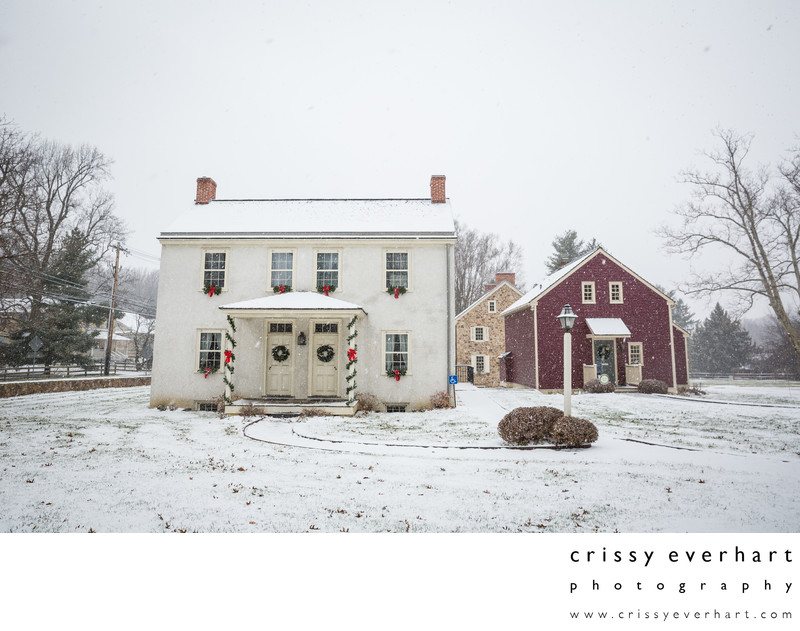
pixel 280 353
pixel 325 353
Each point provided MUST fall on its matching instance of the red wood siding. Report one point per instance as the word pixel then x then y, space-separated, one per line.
pixel 680 357
pixel 644 311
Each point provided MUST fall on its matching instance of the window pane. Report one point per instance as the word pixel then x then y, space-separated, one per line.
pixel 281 269
pixel 396 351
pixel 210 350
pixel 214 269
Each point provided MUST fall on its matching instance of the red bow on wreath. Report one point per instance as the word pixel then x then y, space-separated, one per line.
pixel 211 291
pixel 228 356
pixel 208 371
pixel 326 289
pixel 397 375
pixel 397 295
pixel 281 289
pixel 351 354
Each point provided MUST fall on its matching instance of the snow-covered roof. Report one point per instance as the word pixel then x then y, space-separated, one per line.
pixel 294 301
pixel 547 282
pixel 608 326
pixel 485 295
pixel 287 218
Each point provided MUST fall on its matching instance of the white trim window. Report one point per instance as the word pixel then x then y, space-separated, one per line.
pixel 209 350
pixel 327 269
pixel 481 364
pixel 587 292
pixel 396 266
pixel 479 334
pixel 281 268
pixel 214 266
pixel 492 306
pixel 635 353
pixel 615 292
pixel 396 351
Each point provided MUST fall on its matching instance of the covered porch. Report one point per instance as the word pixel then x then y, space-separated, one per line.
pixel 294 352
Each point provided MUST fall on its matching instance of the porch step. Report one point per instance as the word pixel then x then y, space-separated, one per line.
pixel 288 408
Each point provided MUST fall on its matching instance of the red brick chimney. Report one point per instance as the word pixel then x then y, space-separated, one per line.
pixel 489 287
pixel 507 276
pixel 206 190
pixel 437 189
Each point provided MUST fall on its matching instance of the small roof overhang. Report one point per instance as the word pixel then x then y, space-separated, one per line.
pixel 293 303
pixel 609 327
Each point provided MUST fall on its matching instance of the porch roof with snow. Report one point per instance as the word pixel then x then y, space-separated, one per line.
pixel 307 303
pixel 304 218
pixel 610 327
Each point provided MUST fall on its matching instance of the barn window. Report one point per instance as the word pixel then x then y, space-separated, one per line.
pixel 587 292
pixel 615 292
pixel 635 353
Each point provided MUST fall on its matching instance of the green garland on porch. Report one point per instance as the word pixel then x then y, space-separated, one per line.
pixel 229 359
pixel 352 361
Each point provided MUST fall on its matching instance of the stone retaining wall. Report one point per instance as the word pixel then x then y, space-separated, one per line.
pixel 19 388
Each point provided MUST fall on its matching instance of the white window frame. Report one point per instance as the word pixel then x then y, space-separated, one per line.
pixel 225 269
pixel 492 306
pixel 338 253
pixel 631 346
pixel 486 365
pixel 473 334
pixel 384 352
pixel 291 251
pixel 588 284
pixel 198 350
pixel 611 285
pixel 386 270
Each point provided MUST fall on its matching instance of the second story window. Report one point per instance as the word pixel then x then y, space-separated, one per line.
pixel 282 268
pixel 587 292
pixel 492 306
pixel 327 269
pixel 397 269
pixel 615 292
pixel 479 334
pixel 214 269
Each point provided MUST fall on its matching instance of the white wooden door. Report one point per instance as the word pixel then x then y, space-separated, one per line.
pixel 279 373
pixel 325 374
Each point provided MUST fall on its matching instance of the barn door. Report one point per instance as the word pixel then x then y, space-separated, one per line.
pixel 604 360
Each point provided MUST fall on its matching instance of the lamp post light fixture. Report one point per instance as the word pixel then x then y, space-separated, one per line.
pixel 567 319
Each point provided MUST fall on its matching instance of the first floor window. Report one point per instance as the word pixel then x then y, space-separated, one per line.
pixel 214 269
pixel 282 267
pixel 210 350
pixel 397 269
pixel 327 269
pixel 396 355
pixel 635 353
pixel 481 364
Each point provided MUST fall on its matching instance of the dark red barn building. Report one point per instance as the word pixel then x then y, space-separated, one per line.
pixel 624 332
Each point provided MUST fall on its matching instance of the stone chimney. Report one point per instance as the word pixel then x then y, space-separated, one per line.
pixel 206 190
pixel 437 189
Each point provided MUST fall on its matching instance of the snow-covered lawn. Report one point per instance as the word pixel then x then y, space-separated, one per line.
pixel 102 460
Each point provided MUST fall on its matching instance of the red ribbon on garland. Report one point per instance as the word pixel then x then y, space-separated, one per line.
pixel 208 371
pixel 228 356
pixel 351 354
pixel 397 295
pixel 326 289
pixel 281 289
pixel 397 375
pixel 211 291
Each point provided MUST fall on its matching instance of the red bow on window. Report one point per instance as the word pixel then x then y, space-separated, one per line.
pixel 228 356
pixel 326 289
pixel 281 289
pixel 208 371
pixel 397 375
pixel 351 354
pixel 211 291
pixel 397 295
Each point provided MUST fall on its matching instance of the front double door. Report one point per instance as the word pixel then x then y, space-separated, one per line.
pixel 325 360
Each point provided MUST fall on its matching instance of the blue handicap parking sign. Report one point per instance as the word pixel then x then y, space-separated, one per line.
pixel 452 380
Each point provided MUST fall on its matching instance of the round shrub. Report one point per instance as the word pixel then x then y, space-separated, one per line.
pixel 571 431
pixel 595 387
pixel 528 425
pixel 653 386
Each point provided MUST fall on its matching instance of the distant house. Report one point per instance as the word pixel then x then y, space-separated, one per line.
pixel 624 332
pixel 286 304
pixel 481 331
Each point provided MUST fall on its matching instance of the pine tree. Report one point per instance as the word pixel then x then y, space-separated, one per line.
pixel 720 345
pixel 568 247
pixel 62 319
pixel 682 315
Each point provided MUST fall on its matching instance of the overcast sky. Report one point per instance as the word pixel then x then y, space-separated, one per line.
pixel 543 116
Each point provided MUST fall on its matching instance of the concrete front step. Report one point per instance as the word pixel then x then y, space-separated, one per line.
pixel 286 407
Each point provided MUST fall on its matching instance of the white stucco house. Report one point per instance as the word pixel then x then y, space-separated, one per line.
pixel 305 302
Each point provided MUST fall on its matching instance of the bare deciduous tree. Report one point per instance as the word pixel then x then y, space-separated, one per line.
pixel 750 214
pixel 479 256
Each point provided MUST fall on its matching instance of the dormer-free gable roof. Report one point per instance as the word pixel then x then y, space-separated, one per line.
pixel 310 218
pixel 487 295
pixel 545 285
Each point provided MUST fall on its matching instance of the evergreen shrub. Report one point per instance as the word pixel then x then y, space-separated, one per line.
pixel 653 386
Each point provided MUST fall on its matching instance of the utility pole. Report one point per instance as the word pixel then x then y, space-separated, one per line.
pixel 111 315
